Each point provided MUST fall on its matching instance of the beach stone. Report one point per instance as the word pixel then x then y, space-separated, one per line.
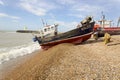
pixel 89 61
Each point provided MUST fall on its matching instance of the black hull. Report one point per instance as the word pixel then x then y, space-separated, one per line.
pixel 87 28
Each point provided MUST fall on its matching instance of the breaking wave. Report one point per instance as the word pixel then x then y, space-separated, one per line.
pixel 7 54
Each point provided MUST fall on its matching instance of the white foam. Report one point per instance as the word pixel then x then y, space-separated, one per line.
pixel 18 51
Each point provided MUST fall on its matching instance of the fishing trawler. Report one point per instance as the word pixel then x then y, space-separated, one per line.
pixel 105 26
pixel 75 36
pixel 49 35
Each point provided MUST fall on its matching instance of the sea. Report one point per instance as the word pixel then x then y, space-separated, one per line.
pixel 14 45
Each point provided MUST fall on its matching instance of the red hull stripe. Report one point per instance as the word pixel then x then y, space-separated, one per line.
pixel 86 36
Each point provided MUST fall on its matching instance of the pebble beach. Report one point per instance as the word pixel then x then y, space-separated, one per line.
pixel 91 60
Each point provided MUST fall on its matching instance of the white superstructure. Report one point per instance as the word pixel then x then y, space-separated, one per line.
pixel 48 30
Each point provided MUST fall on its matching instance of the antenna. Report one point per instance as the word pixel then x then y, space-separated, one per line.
pixel 103 18
pixel 43 22
pixel 46 22
pixel 118 21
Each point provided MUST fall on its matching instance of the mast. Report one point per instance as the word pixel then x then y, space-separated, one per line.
pixel 103 20
pixel 43 22
pixel 118 22
pixel 46 23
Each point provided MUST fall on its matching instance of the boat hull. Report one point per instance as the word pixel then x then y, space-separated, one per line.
pixel 111 31
pixel 75 36
pixel 73 40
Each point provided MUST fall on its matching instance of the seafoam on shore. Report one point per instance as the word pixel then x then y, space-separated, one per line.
pixel 15 52
pixel 13 45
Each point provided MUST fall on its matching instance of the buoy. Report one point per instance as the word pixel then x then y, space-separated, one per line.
pixel 107 38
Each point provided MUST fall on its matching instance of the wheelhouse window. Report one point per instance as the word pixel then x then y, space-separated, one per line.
pixel 45 30
pixel 48 29
pixel 52 28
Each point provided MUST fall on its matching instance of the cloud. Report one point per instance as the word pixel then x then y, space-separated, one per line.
pixel 8 16
pixel 76 8
pixel 3 15
pixel 66 25
pixel 77 15
pixel 115 2
pixel 1 2
pixel 37 7
pixel 86 8
pixel 14 17
pixel 66 2
pixel 15 21
pixel 52 16
pixel 81 9
pixel 78 5
pixel 109 1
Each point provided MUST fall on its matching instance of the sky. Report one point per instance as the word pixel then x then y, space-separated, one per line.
pixel 17 14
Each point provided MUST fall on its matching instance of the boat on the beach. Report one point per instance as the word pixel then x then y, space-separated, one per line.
pixel 75 36
pixel 105 26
